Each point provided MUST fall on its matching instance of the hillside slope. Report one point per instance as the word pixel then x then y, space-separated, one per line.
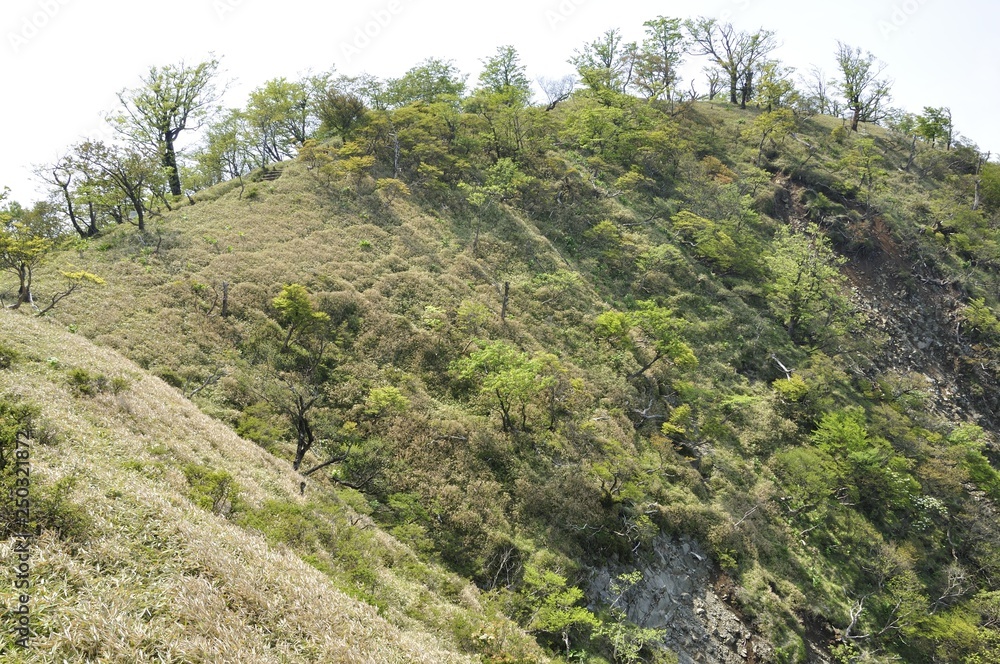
pixel 752 330
pixel 133 563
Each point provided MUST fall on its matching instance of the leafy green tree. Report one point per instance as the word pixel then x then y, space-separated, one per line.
pixel 227 154
pixel 507 378
pixel 775 88
pixel 433 80
pixel 382 401
pixel 864 92
pixel 282 115
pixel 607 63
pixel 660 56
pixel 502 101
pixel 878 478
pixel 504 74
pixel 41 219
pixel 722 244
pixel 502 182
pixel 737 53
pixel 121 175
pixel 297 313
pixel 172 99
pixel 21 251
pixel 775 125
pixel 649 325
pixel 988 186
pixel 806 290
pixel 555 605
pixel 934 125
pixel 862 163
pixel 294 360
pixel 340 113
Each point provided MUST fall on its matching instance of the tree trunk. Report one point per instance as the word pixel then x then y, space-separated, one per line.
pixel 747 89
pixel 732 89
pixel 90 231
pixel 855 118
pixel 24 289
pixel 170 163
pixel 304 433
pixel 506 297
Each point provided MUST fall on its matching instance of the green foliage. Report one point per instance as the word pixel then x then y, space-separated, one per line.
pixel 861 166
pixel 793 388
pixel 934 125
pixel 511 380
pixel 864 92
pixel 659 57
pixel 879 479
pixel 774 126
pixel 297 313
pixel 8 356
pixel 21 252
pixel 213 490
pixel 657 273
pixel 170 99
pixel 981 318
pixel 627 639
pixel 989 185
pixel 737 254
pixel 86 383
pixel 554 607
pixel 50 505
pixel 431 81
pixel 383 401
pixel 806 291
pixel 649 324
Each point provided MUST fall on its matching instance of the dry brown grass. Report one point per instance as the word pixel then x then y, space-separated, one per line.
pixel 159 579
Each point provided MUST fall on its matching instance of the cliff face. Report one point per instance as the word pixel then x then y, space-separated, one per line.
pixel 679 593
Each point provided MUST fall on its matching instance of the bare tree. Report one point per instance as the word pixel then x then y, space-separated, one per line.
pixel 817 87
pixel 556 90
pixel 713 76
pixel 736 53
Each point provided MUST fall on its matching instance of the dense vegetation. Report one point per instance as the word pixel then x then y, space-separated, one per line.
pixel 534 338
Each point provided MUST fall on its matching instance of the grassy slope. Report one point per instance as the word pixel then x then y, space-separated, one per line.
pixel 156 578
pixel 393 262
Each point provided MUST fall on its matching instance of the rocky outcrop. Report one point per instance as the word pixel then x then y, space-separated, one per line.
pixel 676 595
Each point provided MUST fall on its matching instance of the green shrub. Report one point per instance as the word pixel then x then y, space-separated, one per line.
pixel 50 506
pixel 8 356
pixel 213 490
pixel 86 383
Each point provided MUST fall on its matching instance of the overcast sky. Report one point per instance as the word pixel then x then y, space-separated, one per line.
pixel 63 60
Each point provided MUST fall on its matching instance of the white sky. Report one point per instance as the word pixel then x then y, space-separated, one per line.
pixel 63 60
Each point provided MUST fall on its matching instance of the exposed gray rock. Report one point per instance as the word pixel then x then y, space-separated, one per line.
pixel 676 595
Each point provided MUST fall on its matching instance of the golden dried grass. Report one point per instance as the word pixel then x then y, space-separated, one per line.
pixel 160 579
